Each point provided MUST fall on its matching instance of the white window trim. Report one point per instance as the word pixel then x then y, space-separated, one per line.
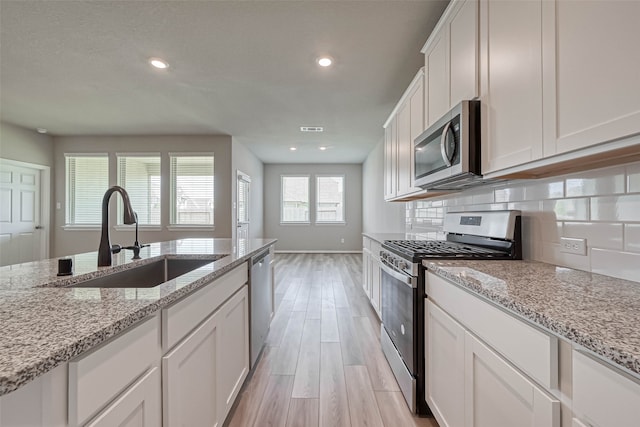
pixel 192 227
pixel 344 199
pixel 146 227
pixel 188 227
pixel 82 227
pixel 282 222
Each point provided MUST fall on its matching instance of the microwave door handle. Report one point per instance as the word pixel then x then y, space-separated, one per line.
pixel 443 139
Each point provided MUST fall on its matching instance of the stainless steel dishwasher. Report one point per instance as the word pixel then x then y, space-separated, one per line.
pixel 260 303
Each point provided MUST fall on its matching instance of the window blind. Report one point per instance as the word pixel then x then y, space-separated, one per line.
pixel 330 199
pixel 295 199
pixel 140 176
pixel 192 189
pixel 87 179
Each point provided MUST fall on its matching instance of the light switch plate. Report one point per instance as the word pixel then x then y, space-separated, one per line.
pixel 574 246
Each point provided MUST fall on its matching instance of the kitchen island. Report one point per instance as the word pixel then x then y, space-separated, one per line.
pixel 46 323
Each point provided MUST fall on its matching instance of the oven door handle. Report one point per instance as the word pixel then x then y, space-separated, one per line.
pixel 410 281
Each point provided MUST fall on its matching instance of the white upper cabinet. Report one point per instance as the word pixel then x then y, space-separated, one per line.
pixel 403 126
pixel 451 60
pixel 390 159
pixel 437 77
pixel 598 82
pixel 559 84
pixel 511 84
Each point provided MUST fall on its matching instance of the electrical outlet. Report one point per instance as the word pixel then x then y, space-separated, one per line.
pixel 342 240
pixel 570 245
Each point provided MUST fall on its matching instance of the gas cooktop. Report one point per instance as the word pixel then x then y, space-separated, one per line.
pixel 441 249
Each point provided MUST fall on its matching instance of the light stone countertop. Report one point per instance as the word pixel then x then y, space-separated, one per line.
pixel 598 312
pixel 45 324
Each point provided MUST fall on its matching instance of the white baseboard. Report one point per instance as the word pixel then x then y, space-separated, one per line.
pixel 317 252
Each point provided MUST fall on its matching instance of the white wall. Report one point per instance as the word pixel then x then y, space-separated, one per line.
pixel 602 206
pixel 314 237
pixel 246 162
pixel 65 242
pixel 379 216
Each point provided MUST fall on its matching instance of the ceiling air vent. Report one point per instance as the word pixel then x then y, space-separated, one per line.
pixel 311 129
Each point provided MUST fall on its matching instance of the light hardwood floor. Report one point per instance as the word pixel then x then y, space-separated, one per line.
pixel 322 364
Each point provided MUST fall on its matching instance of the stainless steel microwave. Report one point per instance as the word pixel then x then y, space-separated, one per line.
pixel 447 155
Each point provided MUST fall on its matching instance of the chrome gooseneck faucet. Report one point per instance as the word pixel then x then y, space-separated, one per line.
pixel 130 217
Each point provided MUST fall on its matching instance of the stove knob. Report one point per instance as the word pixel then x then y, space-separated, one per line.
pixel 402 265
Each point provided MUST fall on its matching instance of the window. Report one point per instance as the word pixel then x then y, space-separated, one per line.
pixel 330 199
pixel 140 176
pixel 192 189
pixel 87 179
pixel 295 199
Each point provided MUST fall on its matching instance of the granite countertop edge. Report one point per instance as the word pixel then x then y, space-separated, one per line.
pixel 46 362
pixel 618 357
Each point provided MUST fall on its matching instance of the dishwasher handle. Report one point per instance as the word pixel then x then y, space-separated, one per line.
pixel 258 258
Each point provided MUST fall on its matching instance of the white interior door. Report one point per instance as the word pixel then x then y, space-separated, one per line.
pixel 21 233
pixel 243 189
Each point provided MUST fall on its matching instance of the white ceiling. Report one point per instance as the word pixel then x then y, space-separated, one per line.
pixel 242 68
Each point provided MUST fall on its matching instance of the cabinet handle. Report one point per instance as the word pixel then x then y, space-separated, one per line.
pixel 443 139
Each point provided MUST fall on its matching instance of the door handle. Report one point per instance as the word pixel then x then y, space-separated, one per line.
pixel 39 227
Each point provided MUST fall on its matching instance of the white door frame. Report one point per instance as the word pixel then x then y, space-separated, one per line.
pixel 45 200
pixel 246 177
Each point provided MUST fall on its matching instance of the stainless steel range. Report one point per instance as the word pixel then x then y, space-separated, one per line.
pixel 489 235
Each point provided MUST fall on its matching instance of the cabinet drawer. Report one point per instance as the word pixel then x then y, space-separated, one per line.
pixel 533 351
pixel 100 375
pixel 603 397
pixel 181 318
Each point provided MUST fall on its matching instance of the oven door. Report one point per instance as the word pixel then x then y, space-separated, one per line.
pixel 399 294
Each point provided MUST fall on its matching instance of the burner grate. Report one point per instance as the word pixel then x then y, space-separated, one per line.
pixel 436 248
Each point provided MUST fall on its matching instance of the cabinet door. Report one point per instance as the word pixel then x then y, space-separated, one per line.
pixel 463 54
pixel 375 284
pixel 366 272
pixel 597 64
pixel 416 102
pixel 496 395
pixel 189 378
pixel 233 350
pixel 405 148
pixel 138 406
pixel 390 164
pixel 437 78
pixel 444 356
pixel 511 84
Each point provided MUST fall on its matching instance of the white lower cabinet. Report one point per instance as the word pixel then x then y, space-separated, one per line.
pixel 138 406
pixel 203 374
pixel 371 272
pixel 603 397
pixel 473 384
pixel 497 395
pixel 445 358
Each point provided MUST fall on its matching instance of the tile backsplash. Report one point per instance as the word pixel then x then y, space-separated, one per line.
pixel 601 206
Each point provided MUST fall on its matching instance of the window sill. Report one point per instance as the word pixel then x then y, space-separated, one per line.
pixel 332 223
pixel 123 227
pixel 77 227
pixel 294 223
pixel 191 227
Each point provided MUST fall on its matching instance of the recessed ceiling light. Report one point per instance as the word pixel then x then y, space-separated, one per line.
pixel 323 148
pixel 158 63
pixel 292 148
pixel 324 61
pixel 41 130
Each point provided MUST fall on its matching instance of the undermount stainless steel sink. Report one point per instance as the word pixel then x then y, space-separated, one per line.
pixel 148 275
